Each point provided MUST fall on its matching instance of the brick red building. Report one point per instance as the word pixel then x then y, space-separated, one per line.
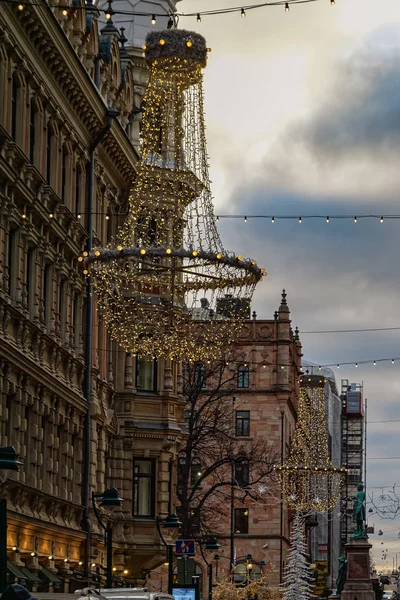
pixel 265 398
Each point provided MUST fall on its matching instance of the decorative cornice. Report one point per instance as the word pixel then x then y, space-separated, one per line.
pixel 49 42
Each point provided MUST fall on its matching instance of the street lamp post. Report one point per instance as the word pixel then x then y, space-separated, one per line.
pixel 8 462
pixel 249 570
pixel 232 536
pixel 171 522
pixel 210 544
pixel 107 498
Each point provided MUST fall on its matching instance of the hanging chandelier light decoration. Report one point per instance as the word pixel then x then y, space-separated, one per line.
pixel 165 285
pixel 308 479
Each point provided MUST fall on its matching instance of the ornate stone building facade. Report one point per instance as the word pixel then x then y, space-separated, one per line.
pixel 265 393
pixel 266 397
pixel 82 415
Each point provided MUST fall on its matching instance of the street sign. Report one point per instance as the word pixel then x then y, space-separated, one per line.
pixel 184 547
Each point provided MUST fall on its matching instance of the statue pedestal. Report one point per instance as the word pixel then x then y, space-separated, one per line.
pixel 358 581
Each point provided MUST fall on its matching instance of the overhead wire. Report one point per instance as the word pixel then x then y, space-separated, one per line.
pixel 196 14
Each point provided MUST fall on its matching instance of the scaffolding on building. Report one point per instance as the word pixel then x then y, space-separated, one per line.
pixel 352 452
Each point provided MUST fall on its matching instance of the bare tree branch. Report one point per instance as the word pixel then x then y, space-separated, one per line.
pixel 386 505
pixel 212 451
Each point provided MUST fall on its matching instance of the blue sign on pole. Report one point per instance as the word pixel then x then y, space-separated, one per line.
pixel 184 547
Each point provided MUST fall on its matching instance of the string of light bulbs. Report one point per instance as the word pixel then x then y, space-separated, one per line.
pixel 327 218
pixel 351 330
pixel 307 369
pixel 355 364
pixel 241 10
pixel 355 218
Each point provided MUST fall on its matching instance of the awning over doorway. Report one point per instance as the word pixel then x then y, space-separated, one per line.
pixel 50 576
pixel 31 576
pixel 17 572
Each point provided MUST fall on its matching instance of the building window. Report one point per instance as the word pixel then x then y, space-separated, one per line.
pixel 144 471
pixel 77 192
pixel 14 105
pixel 242 473
pixel 63 172
pixel 47 292
pixel 62 306
pixel 30 278
pixel 32 132
pixel 241 520
pixel 12 260
pixel 146 375
pixel 243 376
pixel 146 232
pixel 243 423
pixel 49 149
pixel 195 472
pixel 200 375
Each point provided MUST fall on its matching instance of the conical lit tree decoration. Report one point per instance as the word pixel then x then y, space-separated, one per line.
pixel 298 574
pixel 165 285
pixel 308 479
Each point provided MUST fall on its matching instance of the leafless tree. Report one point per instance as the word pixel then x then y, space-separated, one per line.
pixel 213 464
pixel 386 504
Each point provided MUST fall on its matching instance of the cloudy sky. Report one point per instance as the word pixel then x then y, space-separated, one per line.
pixel 303 118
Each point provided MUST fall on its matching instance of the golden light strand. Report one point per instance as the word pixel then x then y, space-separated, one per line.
pixel 308 479
pixel 166 286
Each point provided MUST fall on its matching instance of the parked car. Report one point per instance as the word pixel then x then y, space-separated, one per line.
pixel 385 579
pixel 120 594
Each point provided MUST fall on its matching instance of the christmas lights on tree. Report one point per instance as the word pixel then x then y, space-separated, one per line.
pixel 309 480
pixel 166 286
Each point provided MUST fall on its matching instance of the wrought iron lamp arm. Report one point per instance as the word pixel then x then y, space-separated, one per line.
pixel 203 555
pixel 224 556
pixel 158 521
pixel 96 512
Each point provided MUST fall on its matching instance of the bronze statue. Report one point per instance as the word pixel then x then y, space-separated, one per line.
pixel 341 576
pixel 359 513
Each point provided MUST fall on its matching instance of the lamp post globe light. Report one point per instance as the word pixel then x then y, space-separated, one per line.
pixel 170 522
pixel 8 462
pixel 108 499
pixel 210 544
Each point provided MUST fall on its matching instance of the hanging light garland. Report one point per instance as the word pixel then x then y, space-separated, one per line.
pixel 153 16
pixel 272 218
pixel 308 479
pixel 166 286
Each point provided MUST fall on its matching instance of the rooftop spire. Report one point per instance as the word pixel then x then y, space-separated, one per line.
pixel 283 307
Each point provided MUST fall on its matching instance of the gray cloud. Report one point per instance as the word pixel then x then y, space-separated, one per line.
pixel 362 113
pixel 339 154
